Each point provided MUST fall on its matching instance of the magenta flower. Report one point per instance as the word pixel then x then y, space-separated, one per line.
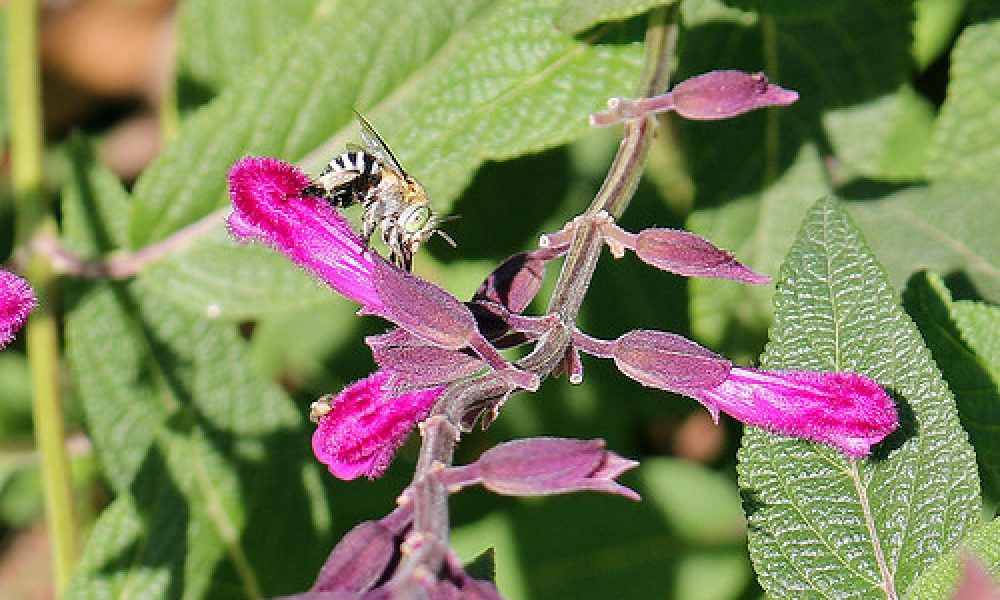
pixel 361 428
pixel 267 207
pixel 17 300
pixel 845 410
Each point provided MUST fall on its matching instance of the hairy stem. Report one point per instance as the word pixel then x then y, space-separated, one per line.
pixel 41 332
pixel 465 399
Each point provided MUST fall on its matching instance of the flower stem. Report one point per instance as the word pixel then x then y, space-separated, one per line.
pixel 468 397
pixel 41 333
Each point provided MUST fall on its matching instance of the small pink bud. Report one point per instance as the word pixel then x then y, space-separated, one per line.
pixel 668 361
pixel 361 428
pixel 17 300
pixel 847 411
pixel 725 94
pixel 545 466
pixel 690 255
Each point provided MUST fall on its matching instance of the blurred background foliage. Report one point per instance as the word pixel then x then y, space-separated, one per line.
pixel 486 103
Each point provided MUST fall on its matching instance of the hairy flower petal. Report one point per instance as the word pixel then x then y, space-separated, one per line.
pixel 362 427
pixel 267 208
pixel 17 300
pixel 844 410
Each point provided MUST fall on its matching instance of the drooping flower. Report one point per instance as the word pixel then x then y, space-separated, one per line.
pixel 17 300
pixel 360 429
pixel 268 207
pixel 845 410
pixel 307 230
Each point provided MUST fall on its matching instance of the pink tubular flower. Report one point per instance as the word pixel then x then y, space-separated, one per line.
pixel 17 300
pixel 361 428
pixel 845 410
pixel 267 207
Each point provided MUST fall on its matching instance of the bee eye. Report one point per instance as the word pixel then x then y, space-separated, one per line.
pixel 417 219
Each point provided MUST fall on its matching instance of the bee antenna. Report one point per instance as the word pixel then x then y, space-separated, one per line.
pixel 446 237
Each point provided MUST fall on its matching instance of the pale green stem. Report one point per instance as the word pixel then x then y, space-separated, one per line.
pixel 41 332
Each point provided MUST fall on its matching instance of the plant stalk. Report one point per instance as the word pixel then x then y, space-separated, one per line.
pixel 41 332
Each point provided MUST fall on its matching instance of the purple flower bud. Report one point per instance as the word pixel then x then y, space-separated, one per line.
pixel 545 466
pixel 17 300
pixel 423 308
pixel 668 361
pixel 361 428
pixel 514 283
pixel 710 96
pixel 847 411
pixel 267 208
pixel 358 561
pixel 725 94
pixel 690 255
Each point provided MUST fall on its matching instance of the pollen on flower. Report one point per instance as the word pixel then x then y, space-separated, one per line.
pixel 360 429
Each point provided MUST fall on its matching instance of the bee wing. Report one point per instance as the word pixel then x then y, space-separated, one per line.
pixel 376 145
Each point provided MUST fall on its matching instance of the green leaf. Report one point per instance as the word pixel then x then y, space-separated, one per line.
pixel 966 143
pixel 821 525
pixel 955 336
pixel 217 41
pixel 216 276
pixel 216 493
pixel 949 227
pixel 574 16
pixel 481 81
pixel 897 130
pixel 941 579
pixel 934 27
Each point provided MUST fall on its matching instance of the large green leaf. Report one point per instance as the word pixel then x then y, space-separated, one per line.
pixel 820 524
pixel 965 342
pixel 575 16
pixel 216 41
pixel 967 137
pixel 949 227
pixel 215 491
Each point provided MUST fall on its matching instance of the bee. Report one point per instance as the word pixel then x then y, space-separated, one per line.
pixel 392 201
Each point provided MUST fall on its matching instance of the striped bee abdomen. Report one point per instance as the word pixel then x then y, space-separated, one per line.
pixel 347 179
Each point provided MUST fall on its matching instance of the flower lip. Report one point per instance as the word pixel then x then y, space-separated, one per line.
pixel 361 428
